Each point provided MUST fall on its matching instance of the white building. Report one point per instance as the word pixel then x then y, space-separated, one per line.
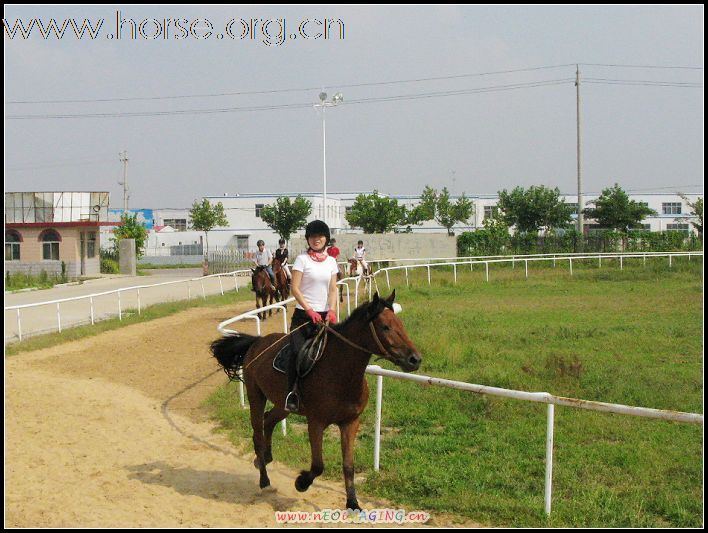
pixel 246 227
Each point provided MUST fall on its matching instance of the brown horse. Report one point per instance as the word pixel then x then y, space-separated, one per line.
pixel 281 280
pixel 264 290
pixel 334 392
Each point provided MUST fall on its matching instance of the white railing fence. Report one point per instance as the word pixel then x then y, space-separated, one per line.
pixel 542 397
pixel 223 285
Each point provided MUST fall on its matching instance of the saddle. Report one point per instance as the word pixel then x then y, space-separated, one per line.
pixel 310 353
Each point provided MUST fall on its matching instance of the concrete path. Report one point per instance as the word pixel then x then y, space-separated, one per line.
pixel 43 319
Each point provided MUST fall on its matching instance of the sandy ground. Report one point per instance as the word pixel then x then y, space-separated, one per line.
pixel 108 432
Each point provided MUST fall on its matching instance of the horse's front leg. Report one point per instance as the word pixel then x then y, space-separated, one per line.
pixel 348 432
pixel 305 479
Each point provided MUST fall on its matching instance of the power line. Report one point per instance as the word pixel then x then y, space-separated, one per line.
pixel 438 94
pixel 640 66
pixel 275 91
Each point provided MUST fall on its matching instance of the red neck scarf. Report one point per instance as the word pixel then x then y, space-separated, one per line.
pixel 317 256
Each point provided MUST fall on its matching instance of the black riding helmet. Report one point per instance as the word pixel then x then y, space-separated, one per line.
pixel 317 227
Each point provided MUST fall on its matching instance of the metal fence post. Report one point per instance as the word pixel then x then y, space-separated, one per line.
pixel 621 263
pixel 549 459
pixel 120 313
pixel 486 266
pixel 19 324
pixel 58 317
pixel 92 317
pixel 570 262
pixel 221 286
pixel 377 427
pixel 428 274
pixel 138 301
pixel 454 267
pixel 526 261
pixel 669 260
pixel 407 277
pixel 387 281
pixel 203 293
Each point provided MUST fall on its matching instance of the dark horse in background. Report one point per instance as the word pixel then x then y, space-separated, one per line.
pixel 264 290
pixel 334 392
pixel 281 280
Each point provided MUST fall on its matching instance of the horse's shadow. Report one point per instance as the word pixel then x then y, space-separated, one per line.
pixel 209 484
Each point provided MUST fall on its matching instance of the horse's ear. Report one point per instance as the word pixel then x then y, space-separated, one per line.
pixel 253 270
pixel 392 297
pixel 374 307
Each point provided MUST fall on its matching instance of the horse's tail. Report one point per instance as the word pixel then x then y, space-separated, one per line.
pixel 231 351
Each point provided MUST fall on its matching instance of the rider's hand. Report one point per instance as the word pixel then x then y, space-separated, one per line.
pixel 331 317
pixel 314 316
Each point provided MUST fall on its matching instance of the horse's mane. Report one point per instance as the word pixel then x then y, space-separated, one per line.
pixel 360 313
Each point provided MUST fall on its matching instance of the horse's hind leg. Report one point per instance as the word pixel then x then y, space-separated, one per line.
pixel 257 402
pixel 272 418
pixel 305 479
pixel 347 432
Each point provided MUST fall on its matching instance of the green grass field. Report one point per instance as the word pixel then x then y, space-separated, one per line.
pixel 632 337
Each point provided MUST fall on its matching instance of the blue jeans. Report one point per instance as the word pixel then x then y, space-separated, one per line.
pixel 271 275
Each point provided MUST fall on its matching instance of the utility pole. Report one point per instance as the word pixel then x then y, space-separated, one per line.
pixel 124 183
pixel 580 176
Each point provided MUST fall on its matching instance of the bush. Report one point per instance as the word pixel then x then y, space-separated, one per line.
pixel 109 266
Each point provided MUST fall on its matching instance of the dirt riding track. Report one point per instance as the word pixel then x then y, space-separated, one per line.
pixel 106 432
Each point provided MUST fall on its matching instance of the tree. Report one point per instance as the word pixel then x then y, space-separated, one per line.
pixel 206 217
pixel 447 213
pixel 130 228
pixel 697 207
pixel 284 217
pixel 439 207
pixel 535 208
pixel 613 209
pixel 376 214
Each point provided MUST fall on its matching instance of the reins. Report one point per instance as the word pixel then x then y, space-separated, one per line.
pixel 329 328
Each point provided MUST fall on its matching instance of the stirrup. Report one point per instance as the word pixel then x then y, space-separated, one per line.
pixel 292 402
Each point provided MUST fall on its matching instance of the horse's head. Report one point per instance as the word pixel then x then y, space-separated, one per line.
pixel 258 278
pixel 390 334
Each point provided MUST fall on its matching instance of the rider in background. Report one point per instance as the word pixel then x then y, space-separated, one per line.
pixel 281 254
pixel 314 286
pixel 265 259
pixel 360 254
pixel 333 251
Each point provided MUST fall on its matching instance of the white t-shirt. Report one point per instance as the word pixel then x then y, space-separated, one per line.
pixel 359 252
pixel 315 280
pixel 264 257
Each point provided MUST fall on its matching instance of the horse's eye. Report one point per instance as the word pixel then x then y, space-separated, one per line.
pixel 386 328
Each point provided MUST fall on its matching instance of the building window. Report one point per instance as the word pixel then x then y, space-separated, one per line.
pixel 677 227
pixel 180 224
pixel 258 210
pixel 671 208
pixel 50 245
pixel 91 245
pixel 12 245
pixel 642 227
pixel 490 211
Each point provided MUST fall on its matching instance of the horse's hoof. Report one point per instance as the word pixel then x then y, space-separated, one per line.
pixel 302 483
pixel 353 505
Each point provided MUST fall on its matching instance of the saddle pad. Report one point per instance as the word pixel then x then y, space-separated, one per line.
pixel 309 354
pixel 280 362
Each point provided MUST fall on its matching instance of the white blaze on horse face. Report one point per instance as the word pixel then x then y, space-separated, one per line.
pixel 397 308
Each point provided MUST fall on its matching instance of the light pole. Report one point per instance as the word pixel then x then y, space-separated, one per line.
pixel 324 104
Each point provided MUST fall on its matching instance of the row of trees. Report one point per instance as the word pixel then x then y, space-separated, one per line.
pixel 529 211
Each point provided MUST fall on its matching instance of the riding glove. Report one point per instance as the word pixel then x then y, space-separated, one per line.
pixel 314 316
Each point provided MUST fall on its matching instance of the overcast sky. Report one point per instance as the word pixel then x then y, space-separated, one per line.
pixel 645 136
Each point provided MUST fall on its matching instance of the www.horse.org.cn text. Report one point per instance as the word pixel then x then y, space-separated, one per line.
pixel 268 31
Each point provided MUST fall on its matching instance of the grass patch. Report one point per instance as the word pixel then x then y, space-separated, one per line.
pixel 130 317
pixel 631 336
